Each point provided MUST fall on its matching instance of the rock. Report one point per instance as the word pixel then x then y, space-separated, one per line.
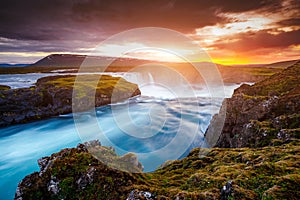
pixel 81 176
pixel 139 195
pixel 18 195
pixel 181 196
pixel 24 185
pixel 44 163
pixel 132 161
pixel 52 97
pixel 226 191
pixel 165 164
pixel 93 143
pixel 72 171
pixel 86 178
pixel 53 186
pixel 258 114
pixel 82 148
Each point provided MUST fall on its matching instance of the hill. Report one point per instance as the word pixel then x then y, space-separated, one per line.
pixel 71 63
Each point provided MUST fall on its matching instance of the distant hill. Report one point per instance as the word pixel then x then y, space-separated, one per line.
pixel 75 61
pixel 72 62
pixel 282 64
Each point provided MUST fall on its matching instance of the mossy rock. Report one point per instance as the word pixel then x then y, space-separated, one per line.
pixel 261 173
pixel 4 87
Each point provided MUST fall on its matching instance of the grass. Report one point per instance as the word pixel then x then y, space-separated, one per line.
pixel 85 84
pixel 279 84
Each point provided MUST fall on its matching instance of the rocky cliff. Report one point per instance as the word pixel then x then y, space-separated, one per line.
pixel 266 113
pixel 54 95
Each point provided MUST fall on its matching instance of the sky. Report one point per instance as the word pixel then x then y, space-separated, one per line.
pixel 230 31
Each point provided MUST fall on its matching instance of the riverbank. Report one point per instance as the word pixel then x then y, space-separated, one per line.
pixel 53 96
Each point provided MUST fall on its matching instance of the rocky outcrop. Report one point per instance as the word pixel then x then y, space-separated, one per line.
pixel 75 171
pixel 265 113
pixel 238 173
pixel 53 96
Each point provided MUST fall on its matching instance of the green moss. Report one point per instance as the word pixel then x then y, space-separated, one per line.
pixel 278 84
pixel 67 188
pixel 4 87
pixel 86 85
pixel 262 173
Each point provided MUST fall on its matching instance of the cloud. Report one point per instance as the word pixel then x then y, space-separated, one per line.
pixel 290 22
pixel 78 25
pixel 61 20
pixel 252 41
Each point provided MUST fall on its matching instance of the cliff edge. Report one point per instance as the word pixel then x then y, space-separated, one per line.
pixel 266 113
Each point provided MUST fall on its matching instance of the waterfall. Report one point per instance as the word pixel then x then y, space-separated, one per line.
pixel 150 78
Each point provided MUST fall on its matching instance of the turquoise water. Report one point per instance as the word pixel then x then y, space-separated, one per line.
pixel 158 130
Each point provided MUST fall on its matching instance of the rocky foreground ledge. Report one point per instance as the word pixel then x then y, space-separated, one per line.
pixel 239 173
pixel 52 96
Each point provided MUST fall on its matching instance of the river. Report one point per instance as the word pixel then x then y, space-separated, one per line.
pixel 159 128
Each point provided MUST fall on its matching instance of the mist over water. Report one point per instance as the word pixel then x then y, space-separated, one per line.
pixel 174 117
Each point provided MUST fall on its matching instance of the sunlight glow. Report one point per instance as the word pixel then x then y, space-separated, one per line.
pixel 242 23
pixel 141 51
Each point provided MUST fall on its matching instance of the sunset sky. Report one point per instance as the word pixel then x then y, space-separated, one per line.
pixel 231 31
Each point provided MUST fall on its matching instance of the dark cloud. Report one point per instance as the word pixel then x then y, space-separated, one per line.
pixel 290 22
pixel 68 25
pixel 61 19
pixel 252 41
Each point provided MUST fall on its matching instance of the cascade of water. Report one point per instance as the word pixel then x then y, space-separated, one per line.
pixel 150 78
